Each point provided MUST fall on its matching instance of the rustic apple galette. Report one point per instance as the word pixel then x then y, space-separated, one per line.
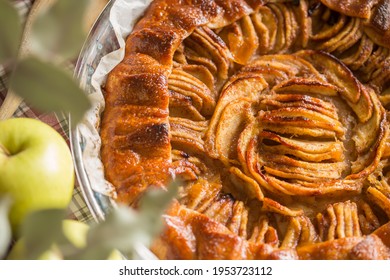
pixel 273 114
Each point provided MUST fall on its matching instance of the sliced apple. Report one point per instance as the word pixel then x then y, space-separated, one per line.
pixel 330 31
pixel 185 137
pixel 335 72
pixel 188 85
pixel 230 125
pixel 203 74
pixel 239 220
pixel 307 86
pixel 249 89
pixel 245 184
pixel 304 23
pixel 207 44
pixel 241 39
pixel 275 207
pixel 356 60
pixel 346 37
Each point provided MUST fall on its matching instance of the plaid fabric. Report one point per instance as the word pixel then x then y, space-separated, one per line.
pixel 77 208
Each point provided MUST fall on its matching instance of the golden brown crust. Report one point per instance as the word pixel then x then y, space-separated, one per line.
pixel 353 8
pixel 378 27
pixel 367 248
pixel 135 121
pixel 272 112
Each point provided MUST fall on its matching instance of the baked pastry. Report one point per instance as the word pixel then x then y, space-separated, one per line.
pixel 272 113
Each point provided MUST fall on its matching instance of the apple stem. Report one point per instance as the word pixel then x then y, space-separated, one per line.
pixel 4 150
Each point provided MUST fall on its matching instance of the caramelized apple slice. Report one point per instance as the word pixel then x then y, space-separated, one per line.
pixel 241 39
pixel 328 32
pixel 381 76
pixel 289 118
pixel 378 27
pixel 300 231
pixel 298 100
pixel 195 59
pixel 367 219
pixel 239 220
pixel 373 63
pixel 221 209
pixel 365 130
pixel 306 146
pixel 356 59
pixel 207 44
pixel 291 25
pixel 241 88
pixel 266 24
pixel 248 134
pixel 304 23
pixel 344 38
pixel 339 220
pixel 306 86
pixel 188 85
pixel 186 135
pixel 245 184
pixel 385 98
pixel 264 233
pixel 270 205
pixel 230 125
pixel 202 74
pixel 199 195
pixel 379 190
pixel 182 106
pixel 335 72
pixel 294 66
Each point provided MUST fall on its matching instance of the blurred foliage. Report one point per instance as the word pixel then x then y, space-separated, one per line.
pixel 58 34
pixel 40 77
pixel 124 229
pixel 10 32
pixel 41 229
pixel 49 88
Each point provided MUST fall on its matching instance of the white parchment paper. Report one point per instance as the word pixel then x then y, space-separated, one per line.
pixel 123 16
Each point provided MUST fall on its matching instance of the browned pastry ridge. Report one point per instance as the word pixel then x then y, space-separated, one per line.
pixel 272 113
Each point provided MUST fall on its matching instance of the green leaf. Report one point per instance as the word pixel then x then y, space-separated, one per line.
pixel 58 31
pixel 48 88
pixel 126 229
pixel 10 31
pixel 41 229
pixel 153 205
pixel 117 231
pixel 6 232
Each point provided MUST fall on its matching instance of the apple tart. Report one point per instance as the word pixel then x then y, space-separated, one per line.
pixel 272 114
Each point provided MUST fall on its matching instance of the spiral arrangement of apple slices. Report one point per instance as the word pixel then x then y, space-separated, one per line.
pixel 356 41
pixel 288 125
pixel 278 128
pixel 297 133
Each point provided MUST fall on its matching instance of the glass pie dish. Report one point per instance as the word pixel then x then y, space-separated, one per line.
pixel 100 41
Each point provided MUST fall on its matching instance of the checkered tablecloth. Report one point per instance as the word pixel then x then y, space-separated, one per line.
pixel 77 208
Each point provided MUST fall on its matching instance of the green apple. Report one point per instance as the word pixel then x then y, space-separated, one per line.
pixel 74 231
pixel 36 168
